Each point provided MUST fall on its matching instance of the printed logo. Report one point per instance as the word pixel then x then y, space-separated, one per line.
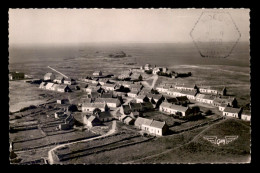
pixel 218 141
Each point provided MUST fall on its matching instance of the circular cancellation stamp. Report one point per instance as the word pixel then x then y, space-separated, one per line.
pixel 215 34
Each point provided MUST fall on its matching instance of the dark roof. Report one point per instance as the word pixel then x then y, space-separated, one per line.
pixel 107 95
pixel 232 110
pixel 147 105
pixel 104 115
pixel 193 93
pixel 182 98
pixel 135 105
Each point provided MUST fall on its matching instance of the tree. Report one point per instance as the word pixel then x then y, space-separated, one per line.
pixel 140 78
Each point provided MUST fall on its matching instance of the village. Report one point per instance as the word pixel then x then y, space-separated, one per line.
pixel 133 99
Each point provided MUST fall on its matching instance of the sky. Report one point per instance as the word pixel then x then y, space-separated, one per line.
pixel 70 26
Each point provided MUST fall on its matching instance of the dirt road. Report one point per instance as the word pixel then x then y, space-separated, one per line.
pixel 110 132
pixel 145 83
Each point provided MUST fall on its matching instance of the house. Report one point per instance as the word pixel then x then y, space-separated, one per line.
pixel 59 114
pixel 107 95
pixel 92 88
pixel 16 75
pixel 232 112
pixel 246 115
pixel 63 88
pixel 163 88
pixel 97 73
pixel 153 127
pixel 111 102
pixel 54 87
pixel 174 92
pixel 90 107
pixel 59 79
pixel 222 107
pixel 69 81
pixel 156 70
pixel 172 100
pixel 203 98
pixel 109 87
pixel 49 85
pixel 103 81
pixel 43 85
pixel 141 99
pixel 190 94
pixel 129 121
pixel 95 94
pixel 68 122
pixel 135 114
pixel 62 101
pixel 91 121
pixel 208 90
pixel 183 100
pixel 132 94
pixel 49 76
pixel 186 87
pixel 135 107
pixel 147 67
pixel 173 109
pixel 158 128
pixel 84 100
pixel 95 81
pixel 126 109
pixel 104 116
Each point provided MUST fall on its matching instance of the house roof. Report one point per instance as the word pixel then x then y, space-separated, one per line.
pixel 107 95
pixel 55 86
pixel 158 124
pixel 185 85
pixel 246 112
pixel 205 96
pixel 142 121
pixel 135 105
pixel 85 100
pixel 50 84
pixel 207 87
pixel 182 98
pixel 232 110
pixel 106 100
pixel 62 86
pixel 141 96
pixel 147 105
pixel 126 108
pixel 109 85
pixel 104 115
pixel 43 84
pixel 174 90
pixel 94 105
pixel 193 92
pixel 94 94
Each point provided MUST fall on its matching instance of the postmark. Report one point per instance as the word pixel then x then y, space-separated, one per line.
pixel 215 34
pixel 220 141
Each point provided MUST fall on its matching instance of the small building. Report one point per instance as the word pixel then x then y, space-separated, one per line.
pixel 49 77
pixel 16 75
pixel 208 90
pixel 174 109
pixel 147 66
pixel 186 87
pixel 183 100
pixel 129 121
pixel 90 107
pixel 91 121
pixel 203 98
pixel 133 94
pixel 97 73
pixel 246 115
pixel 63 88
pixel 232 112
pixel 135 114
pixel 59 79
pixel 141 99
pixel 106 95
pixel 43 85
pixel 69 81
pixel 163 88
pixel 111 102
pixel 222 107
pixel 62 101
pixel 95 94
pixel 109 87
pixel 174 92
pixel 49 85
pixel 147 106
pixel 190 94
pixel 92 88
pixel 104 116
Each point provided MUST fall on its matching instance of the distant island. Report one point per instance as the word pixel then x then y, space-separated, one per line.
pixel 120 54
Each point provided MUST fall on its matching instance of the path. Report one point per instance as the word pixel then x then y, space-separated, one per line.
pixel 58 72
pixel 110 132
pixel 169 150
pixel 155 78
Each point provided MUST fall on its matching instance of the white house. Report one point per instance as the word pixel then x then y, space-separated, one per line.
pixel 185 87
pixel 203 98
pixel 111 102
pixel 43 85
pixel 174 92
pixel 232 112
pixel 69 81
pixel 173 109
pixel 109 87
pixel 246 115
pixel 97 73
pixel 222 107
pixel 133 94
pixel 208 90
pixel 49 85
pixel 153 127
pixel 141 98
pixel 147 67
pixel 156 69
pixel 190 94
pixel 63 88
pixel 163 88
pixel 49 76
pixel 90 107
pixel 59 79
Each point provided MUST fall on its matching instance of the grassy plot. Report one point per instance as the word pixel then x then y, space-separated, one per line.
pixel 202 151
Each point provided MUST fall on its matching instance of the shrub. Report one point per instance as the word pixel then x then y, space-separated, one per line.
pixel 208 112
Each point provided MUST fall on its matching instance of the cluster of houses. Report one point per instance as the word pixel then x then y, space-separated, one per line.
pixel 55 87
pixel 58 79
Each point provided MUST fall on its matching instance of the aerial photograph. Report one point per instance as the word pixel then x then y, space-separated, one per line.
pixel 129 86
